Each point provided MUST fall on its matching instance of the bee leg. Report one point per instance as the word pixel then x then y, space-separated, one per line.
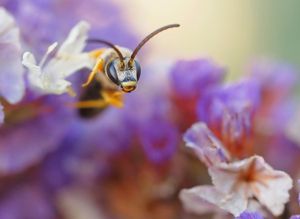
pixel 98 67
pixel 110 98
pixel 91 104
pixel 113 98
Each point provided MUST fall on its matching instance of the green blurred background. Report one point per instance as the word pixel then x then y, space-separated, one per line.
pixel 233 32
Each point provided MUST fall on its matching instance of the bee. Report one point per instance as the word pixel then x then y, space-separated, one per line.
pixel 116 72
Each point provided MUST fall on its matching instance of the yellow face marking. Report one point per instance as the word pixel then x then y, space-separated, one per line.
pixel 128 88
pixel 128 84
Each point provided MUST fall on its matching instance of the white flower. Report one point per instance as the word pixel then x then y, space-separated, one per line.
pixel 12 85
pixel 208 200
pixel 200 200
pixel 237 184
pixel 49 76
pixel 205 144
pixel 253 177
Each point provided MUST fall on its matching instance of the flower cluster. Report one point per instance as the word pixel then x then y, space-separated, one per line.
pixel 227 138
pixel 131 162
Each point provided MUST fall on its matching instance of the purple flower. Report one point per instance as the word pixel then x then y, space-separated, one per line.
pixel 299 193
pixel 277 82
pixel 229 112
pixel 20 202
pixel 276 77
pixel 282 153
pixel 25 142
pixel 45 133
pixel 295 217
pixel 189 82
pixel 1 114
pixel 37 19
pixel 77 161
pixel 192 78
pixel 159 138
pixel 205 144
pixel 109 132
pixel 250 215
pixel 232 99
pixel 149 116
pixel 35 30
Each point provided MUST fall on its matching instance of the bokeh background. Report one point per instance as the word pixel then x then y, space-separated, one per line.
pixel 132 163
pixel 232 32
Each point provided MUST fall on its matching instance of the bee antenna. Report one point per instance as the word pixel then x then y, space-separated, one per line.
pixel 108 44
pixel 145 40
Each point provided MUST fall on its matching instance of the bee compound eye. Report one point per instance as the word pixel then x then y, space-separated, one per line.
pixel 138 69
pixel 111 73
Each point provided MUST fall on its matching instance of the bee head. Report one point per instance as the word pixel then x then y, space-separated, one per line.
pixel 124 73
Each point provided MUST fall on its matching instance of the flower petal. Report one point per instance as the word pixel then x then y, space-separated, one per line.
pixel 12 86
pixel 194 203
pixel 75 42
pixel 228 173
pixel 250 215
pixel 205 144
pixel 228 112
pixel 277 82
pixel 275 195
pixel 159 139
pixel 254 177
pixel 191 78
pixel 69 56
pixel 35 71
pixel 50 77
pixel 26 201
pixel 201 199
pixel 27 143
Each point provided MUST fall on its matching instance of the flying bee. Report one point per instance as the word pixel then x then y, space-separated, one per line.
pixel 119 73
